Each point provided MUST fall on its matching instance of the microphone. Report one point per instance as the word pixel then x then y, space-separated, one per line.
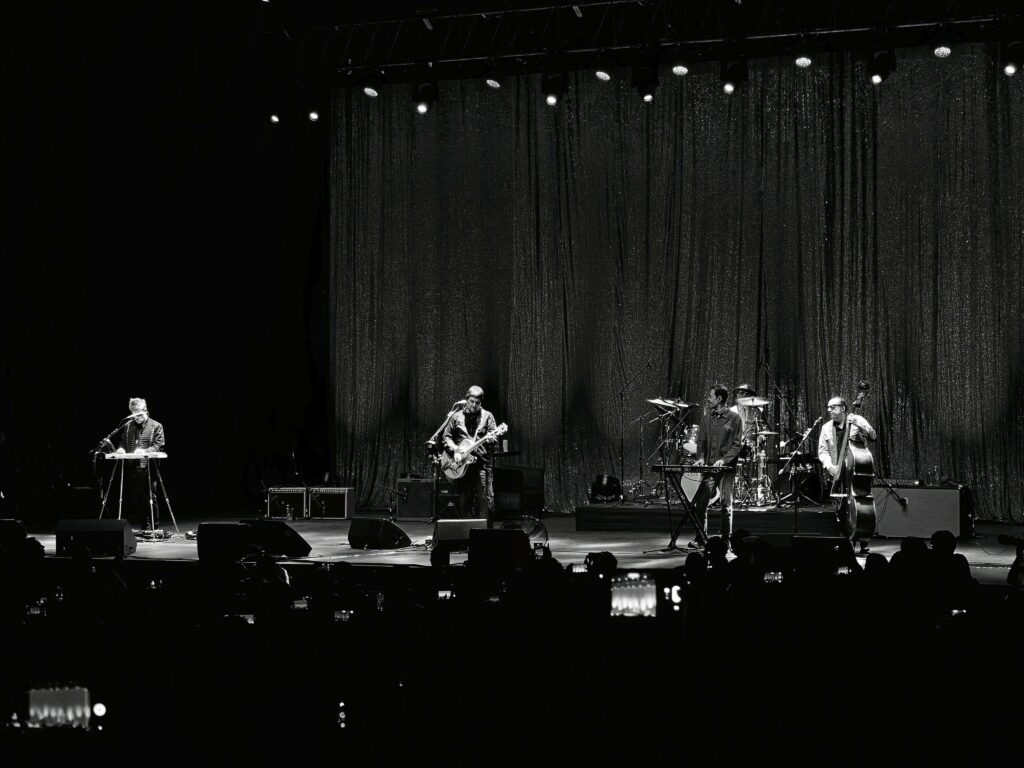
pixel 460 402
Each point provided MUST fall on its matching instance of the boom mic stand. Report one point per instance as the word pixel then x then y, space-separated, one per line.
pixel 622 420
pixel 434 458
pixel 795 493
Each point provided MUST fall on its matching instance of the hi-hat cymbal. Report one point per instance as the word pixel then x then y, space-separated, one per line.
pixel 762 434
pixel 751 401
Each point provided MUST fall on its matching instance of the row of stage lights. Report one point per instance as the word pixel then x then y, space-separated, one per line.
pixel 881 63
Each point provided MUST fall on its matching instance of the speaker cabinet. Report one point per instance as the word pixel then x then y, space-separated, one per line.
pixel 102 538
pixel 416 498
pixel 927 510
pixel 276 537
pixel 233 541
pixel 339 503
pixel 12 532
pixel 368 533
pixel 453 535
pixel 224 542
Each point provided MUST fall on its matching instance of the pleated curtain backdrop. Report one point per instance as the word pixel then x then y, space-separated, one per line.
pixel 807 233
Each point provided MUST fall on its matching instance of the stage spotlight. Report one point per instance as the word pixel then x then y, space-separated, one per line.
pixel 941 44
pixel 680 68
pixel 313 116
pixel 734 74
pixel 275 119
pixel 880 65
pixel 804 52
pixel 424 95
pixel 495 74
pixel 603 68
pixel 372 86
pixel 645 80
pixel 553 86
pixel 1013 57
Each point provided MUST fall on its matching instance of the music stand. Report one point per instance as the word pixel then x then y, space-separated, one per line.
pixel 152 460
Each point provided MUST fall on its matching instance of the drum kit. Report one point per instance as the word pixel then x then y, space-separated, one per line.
pixel 753 486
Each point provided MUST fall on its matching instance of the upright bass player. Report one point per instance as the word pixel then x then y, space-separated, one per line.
pixel 831 442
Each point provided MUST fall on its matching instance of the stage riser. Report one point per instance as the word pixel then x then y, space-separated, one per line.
pixel 814 521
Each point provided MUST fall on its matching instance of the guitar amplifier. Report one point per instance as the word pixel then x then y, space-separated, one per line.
pixel 337 503
pixel 287 502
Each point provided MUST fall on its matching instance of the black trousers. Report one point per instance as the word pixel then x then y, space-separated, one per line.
pixel 139 490
pixel 476 492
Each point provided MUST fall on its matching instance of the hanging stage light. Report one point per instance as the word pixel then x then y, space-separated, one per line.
pixel 553 86
pixel 424 95
pixel 645 80
pixel 734 74
pixel 941 43
pixel 1013 57
pixel 881 64
pixel 604 67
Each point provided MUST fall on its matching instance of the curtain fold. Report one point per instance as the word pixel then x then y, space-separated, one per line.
pixel 808 233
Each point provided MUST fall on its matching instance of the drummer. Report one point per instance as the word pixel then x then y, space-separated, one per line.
pixel 749 406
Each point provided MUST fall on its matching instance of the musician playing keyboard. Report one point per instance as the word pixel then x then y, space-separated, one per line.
pixel 476 487
pixel 719 441
pixel 143 435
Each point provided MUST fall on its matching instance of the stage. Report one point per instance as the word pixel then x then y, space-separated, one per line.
pixel 633 549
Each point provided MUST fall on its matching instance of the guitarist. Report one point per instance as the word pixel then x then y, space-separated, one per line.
pixel 475 488
pixel 831 438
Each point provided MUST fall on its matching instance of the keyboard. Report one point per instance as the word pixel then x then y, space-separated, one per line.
pixel 151 455
pixel 690 469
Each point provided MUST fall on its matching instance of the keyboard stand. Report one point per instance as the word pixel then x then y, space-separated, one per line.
pixel 153 462
pixel 671 480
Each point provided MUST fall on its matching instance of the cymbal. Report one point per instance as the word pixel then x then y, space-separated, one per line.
pixel 751 401
pixel 667 403
pixel 762 434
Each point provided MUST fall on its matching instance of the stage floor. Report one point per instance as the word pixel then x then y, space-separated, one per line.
pixel 328 538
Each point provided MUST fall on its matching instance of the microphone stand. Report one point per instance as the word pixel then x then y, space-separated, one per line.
pixel 431 449
pixel 885 484
pixel 794 490
pixel 96 466
pixel 622 421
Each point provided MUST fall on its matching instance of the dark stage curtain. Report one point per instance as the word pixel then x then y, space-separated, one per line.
pixel 807 233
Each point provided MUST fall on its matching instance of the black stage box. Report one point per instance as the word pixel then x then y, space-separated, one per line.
pixel 517 491
pixel 103 538
pixel 928 509
pixel 415 500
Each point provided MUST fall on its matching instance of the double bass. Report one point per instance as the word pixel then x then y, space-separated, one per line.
pixel 851 487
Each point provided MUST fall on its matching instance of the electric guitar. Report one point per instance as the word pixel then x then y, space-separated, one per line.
pixel 455 468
